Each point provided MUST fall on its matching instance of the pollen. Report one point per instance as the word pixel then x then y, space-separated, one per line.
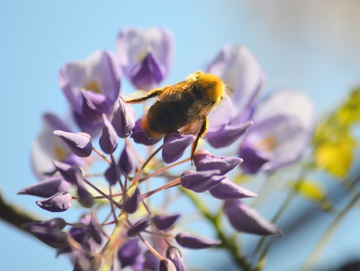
pixel 59 152
pixel 93 86
pixel 267 143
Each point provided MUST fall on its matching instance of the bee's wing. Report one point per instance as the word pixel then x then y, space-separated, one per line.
pixel 197 114
pixel 175 92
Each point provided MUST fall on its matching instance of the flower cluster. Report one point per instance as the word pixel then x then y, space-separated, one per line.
pixel 102 134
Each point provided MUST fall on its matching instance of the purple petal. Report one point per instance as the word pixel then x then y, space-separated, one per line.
pixel 79 143
pixel 195 242
pixel 145 56
pixel 123 119
pixel 242 72
pixel 164 222
pixel 108 139
pixel 151 263
pixel 205 161
pixel 139 226
pixel 201 181
pixel 254 159
pixel 46 188
pixel 127 160
pixel 59 202
pixel 175 145
pixel 246 219
pixel 140 136
pixel 112 174
pixel 174 254
pixel 227 135
pixel 93 128
pixel 94 105
pixel 131 203
pixel 99 73
pixel 147 73
pixel 129 252
pixel 228 190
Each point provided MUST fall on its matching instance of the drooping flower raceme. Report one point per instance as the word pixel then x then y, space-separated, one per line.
pixel 134 233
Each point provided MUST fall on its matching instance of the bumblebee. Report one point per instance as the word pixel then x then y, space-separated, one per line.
pixel 181 107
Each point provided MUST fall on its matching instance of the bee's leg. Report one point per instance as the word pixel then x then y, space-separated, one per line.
pixel 201 133
pixel 141 95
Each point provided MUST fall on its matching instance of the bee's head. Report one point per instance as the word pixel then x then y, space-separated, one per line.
pixel 211 87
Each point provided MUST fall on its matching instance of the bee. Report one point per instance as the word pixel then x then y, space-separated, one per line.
pixel 181 107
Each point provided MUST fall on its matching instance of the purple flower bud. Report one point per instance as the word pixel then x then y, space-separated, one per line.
pixel 48 234
pixel 191 241
pixel 127 160
pixel 164 222
pixel 175 145
pixel 140 136
pixel 246 219
pixel 203 160
pixel 46 188
pixel 112 174
pixel 129 253
pixel 108 139
pixel 201 181
pixel 85 197
pixel 166 265
pixel 93 128
pixel 72 174
pixel 94 229
pixel 145 56
pixel 139 226
pixel 228 190
pixel 227 135
pixel 131 203
pixel 174 254
pixel 59 202
pixel 123 119
pixel 53 224
pixel 79 143
pixel 91 112
pixel 151 263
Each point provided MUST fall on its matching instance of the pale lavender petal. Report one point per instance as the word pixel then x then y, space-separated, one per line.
pixel 98 73
pixel 46 188
pixel 59 202
pixel 175 145
pixel 246 219
pixel 226 189
pixel 79 143
pixel 195 242
pixel 203 160
pixel 145 56
pixel 227 135
pixel 123 119
pixel 240 71
pixel 108 139
pixel 200 181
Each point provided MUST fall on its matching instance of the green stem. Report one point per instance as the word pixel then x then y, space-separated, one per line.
pixel 319 248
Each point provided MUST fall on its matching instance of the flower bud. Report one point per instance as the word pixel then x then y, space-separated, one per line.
pixel 200 181
pixel 79 143
pixel 228 190
pixel 123 119
pixel 108 139
pixel 164 222
pixel 59 202
pixel 191 241
pixel 47 187
pixel 175 145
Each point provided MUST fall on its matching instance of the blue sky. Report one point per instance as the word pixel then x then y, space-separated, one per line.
pixel 38 37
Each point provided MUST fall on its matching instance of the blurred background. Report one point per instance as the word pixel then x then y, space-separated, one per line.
pixel 309 45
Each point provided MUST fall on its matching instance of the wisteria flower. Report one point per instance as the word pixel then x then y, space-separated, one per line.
pixel 91 85
pixel 284 122
pixel 145 56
